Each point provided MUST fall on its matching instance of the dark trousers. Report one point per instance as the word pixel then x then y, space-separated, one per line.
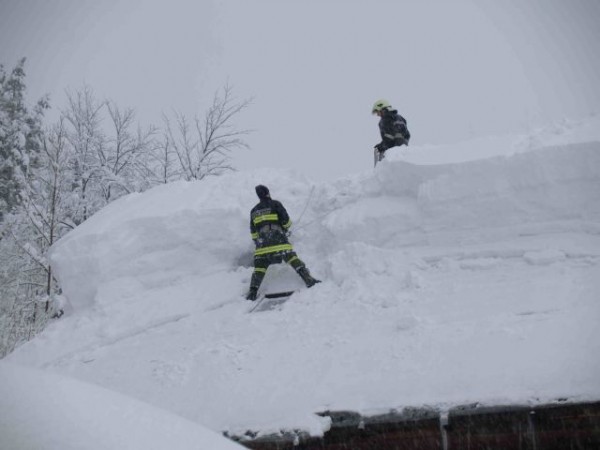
pixel 262 263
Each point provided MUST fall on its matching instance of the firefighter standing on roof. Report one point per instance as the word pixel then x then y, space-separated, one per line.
pixel 269 228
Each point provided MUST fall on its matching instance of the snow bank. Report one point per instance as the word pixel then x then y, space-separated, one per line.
pixel 403 203
pixel 446 280
pixel 201 228
pixel 42 411
pixel 170 232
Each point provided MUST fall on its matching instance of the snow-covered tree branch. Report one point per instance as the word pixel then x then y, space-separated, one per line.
pixel 54 178
pixel 205 149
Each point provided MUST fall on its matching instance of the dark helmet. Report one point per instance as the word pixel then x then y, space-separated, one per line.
pixel 262 191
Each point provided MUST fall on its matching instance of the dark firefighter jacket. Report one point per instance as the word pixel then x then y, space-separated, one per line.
pixel 393 129
pixel 269 222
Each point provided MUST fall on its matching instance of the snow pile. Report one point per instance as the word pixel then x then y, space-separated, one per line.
pixel 45 411
pixel 447 280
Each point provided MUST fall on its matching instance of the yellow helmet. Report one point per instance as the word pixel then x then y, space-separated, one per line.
pixel 380 105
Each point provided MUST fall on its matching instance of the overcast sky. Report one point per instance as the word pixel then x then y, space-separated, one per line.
pixel 455 69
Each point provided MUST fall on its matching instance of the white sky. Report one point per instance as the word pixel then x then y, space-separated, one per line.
pixel 455 69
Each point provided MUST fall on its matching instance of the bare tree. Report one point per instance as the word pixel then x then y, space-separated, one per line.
pixel 107 152
pixel 160 165
pixel 52 187
pixel 87 142
pixel 203 147
pixel 120 159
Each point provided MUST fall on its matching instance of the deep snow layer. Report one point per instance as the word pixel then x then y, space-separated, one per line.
pixel 46 411
pixel 448 279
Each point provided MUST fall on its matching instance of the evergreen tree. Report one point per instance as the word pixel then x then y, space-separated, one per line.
pixel 22 280
pixel 20 137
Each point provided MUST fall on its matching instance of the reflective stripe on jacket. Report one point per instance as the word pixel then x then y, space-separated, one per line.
pixel 268 223
pixel 393 129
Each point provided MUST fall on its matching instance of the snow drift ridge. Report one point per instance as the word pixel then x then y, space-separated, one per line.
pixel 397 205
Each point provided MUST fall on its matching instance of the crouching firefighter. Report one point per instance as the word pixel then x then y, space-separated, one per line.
pixel 392 127
pixel 269 227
